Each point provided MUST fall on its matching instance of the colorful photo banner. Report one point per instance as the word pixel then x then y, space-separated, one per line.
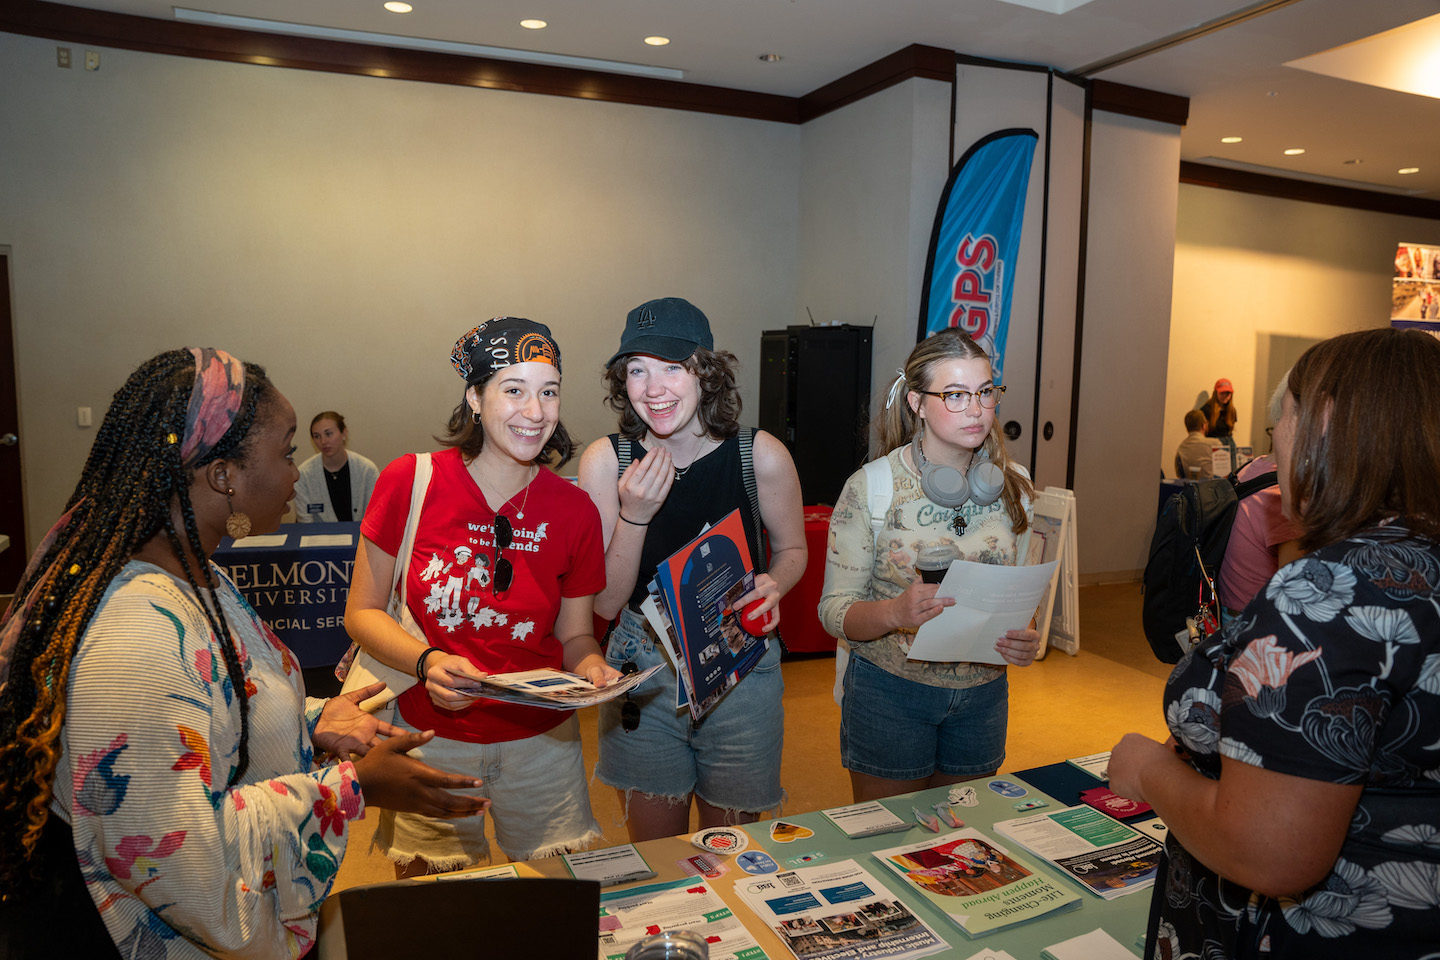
pixel 976 240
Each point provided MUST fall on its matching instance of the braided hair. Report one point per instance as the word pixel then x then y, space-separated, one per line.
pixel 132 478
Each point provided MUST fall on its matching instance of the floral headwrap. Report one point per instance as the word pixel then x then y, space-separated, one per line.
pixel 498 343
pixel 214 402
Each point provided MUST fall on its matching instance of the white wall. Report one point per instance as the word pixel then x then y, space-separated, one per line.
pixel 344 231
pixel 871 175
pixel 1250 270
pixel 1129 265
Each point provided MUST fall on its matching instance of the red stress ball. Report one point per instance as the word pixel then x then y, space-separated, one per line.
pixel 758 627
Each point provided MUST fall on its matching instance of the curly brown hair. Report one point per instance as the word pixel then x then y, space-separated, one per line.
pixel 719 396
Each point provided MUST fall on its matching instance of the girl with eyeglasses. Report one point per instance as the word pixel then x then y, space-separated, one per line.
pixel 908 724
pixel 506 561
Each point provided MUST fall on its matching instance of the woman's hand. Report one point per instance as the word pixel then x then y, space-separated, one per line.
pixel 344 728
pixel 447 678
pixel 596 670
pixel 391 779
pixel 645 484
pixel 768 592
pixel 1019 647
pixel 917 605
pixel 1128 760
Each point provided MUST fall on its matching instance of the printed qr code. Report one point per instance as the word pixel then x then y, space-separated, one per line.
pixel 790 880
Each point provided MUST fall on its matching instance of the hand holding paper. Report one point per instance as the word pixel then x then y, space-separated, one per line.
pixel 990 600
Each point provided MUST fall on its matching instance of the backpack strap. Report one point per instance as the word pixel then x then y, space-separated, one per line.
pixel 623 453
pixel 752 487
pixel 1254 484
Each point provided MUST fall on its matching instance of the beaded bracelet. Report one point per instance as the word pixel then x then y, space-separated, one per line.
pixel 420 664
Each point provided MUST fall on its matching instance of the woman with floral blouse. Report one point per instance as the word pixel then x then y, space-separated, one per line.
pixel 1302 781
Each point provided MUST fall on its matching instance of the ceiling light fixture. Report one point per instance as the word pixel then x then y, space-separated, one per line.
pixel 534 24
pixel 1294 151
pixel 770 57
pixel 657 41
pixel 1408 170
pixel 1231 139
pixel 421 43
pixel 398 6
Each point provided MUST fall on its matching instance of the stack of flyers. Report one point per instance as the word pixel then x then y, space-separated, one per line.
pixel 838 911
pixel 693 607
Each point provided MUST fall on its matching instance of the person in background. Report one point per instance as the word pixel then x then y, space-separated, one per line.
pixel 336 483
pixel 909 724
pixel 166 788
pixel 681 435
pixel 1302 779
pixel 1220 416
pixel 1262 538
pixel 506 561
pixel 1193 458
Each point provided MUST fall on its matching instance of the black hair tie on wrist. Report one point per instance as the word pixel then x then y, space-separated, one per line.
pixel 420 663
pixel 633 523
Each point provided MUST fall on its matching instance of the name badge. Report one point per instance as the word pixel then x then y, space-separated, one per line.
pixel 316 508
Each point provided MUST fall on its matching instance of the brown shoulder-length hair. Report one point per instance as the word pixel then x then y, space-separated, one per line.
pixel 896 423
pixel 719 397
pixel 466 435
pixel 1366 445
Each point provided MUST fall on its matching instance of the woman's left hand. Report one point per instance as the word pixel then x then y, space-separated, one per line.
pixel 768 591
pixel 596 670
pixel 1019 647
pixel 344 728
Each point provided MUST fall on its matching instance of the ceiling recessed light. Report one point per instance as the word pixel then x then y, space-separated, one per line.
pixel 1408 170
pixel 771 57
pixel 1231 139
pixel 398 6
pixel 657 41
pixel 1352 163
pixel 1294 151
pixel 534 24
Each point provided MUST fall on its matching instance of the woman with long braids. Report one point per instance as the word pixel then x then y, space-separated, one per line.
pixel 160 794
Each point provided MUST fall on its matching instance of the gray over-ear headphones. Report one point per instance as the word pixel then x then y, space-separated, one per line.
pixel 947 487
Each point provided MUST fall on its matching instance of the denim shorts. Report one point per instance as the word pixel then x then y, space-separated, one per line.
pixel 538 800
pixel 731 761
pixel 899 729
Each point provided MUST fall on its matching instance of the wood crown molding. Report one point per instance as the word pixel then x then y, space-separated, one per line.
pixel 1139 102
pixel 1284 188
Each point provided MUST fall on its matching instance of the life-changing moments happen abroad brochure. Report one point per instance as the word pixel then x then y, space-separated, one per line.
pixel 554 689
pixel 838 911
pixel 694 608
pixel 977 883
pixel 1098 852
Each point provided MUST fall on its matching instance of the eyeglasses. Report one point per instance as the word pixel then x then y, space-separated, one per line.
pixel 504 572
pixel 958 401
pixel 629 709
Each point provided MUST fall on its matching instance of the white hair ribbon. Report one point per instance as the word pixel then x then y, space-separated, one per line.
pixel 895 388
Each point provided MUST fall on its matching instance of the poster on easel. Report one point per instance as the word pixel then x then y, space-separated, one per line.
pixel 1415 291
pixel 1052 537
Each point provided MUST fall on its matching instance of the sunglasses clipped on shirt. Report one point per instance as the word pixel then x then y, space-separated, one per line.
pixel 504 570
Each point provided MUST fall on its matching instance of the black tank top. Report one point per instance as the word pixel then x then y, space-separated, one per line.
pixel 709 489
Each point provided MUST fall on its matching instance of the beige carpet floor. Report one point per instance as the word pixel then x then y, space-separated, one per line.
pixel 1063 706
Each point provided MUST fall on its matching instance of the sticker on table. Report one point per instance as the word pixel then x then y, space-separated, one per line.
pixel 805 858
pixel 965 796
pixel 1007 789
pixel 704 865
pixel 721 840
pixel 756 861
pixel 783 831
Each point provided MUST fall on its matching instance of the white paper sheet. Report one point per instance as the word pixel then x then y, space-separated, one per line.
pixel 989 599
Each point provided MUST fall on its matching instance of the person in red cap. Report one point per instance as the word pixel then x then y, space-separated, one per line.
pixel 1220 417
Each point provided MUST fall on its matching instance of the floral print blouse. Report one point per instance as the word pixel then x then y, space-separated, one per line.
pixel 1332 673
pixel 177 864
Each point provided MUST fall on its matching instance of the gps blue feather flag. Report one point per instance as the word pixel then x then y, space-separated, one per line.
pixel 969 273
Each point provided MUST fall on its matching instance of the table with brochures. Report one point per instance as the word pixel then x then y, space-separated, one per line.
pixel 1123 918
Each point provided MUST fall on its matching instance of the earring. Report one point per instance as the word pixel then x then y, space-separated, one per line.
pixel 237 525
pixel 476 417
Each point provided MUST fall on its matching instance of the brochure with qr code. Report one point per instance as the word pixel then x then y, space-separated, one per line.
pixel 838 911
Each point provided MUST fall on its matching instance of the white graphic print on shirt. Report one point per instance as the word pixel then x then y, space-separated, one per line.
pixel 460 586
